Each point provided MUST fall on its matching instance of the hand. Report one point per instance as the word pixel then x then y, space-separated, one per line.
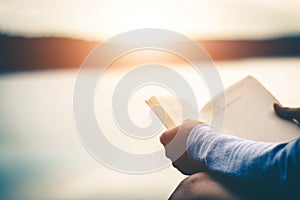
pixel 291 114
pixel 174 141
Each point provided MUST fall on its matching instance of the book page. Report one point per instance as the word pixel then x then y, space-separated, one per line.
pixel 249 114
pixel 161 113
pixel 169 110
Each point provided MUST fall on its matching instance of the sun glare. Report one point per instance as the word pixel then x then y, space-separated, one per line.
pixel 128 17
pixel 101 19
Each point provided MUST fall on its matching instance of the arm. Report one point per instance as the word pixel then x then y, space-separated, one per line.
pixel 277 165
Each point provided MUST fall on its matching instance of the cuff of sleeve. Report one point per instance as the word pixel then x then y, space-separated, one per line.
pixel 199 142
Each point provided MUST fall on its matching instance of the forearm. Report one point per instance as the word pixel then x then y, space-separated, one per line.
pixel 277 164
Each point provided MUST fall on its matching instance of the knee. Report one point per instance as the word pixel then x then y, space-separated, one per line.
pixel 202 186
pixel 192 187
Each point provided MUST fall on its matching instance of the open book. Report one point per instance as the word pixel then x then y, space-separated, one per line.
pixel 248 111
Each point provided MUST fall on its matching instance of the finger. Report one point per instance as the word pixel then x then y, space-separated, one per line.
pixel 187 166
pixel 287 113
pixel 168 135
pixel 184 129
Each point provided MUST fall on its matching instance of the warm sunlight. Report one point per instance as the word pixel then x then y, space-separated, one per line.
pixel 149 99
pixel 100 19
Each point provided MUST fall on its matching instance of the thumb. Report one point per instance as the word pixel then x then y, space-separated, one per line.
pixel 167 136
pixel 287 113
pixel 183 131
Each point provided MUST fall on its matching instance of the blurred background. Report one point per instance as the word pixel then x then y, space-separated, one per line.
pixel 56 34
pixel 43 43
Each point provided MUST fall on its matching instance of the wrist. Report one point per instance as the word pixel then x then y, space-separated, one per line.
pixel 196 143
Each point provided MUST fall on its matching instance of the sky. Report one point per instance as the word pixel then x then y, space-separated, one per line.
pixel 202 19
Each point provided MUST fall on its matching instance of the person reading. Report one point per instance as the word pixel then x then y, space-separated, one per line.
pixel 228 167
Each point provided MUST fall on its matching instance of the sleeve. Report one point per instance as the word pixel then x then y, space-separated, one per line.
pixel 278 165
